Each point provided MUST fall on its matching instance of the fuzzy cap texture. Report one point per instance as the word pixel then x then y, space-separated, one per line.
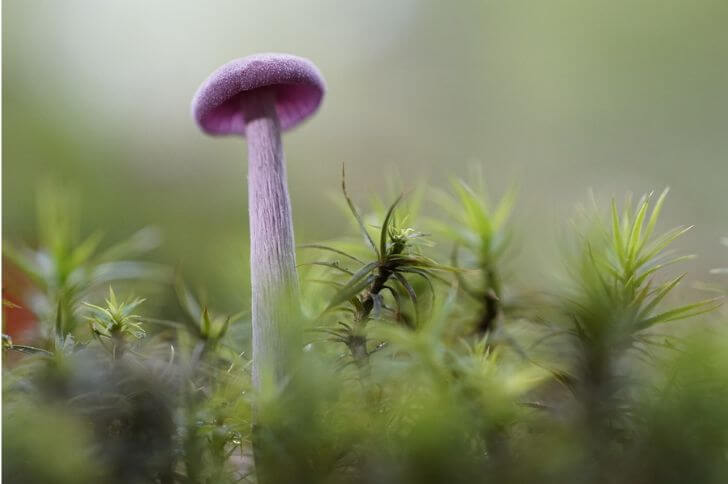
pixel 298 85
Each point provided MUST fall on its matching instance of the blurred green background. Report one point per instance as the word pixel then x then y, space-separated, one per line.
pixel 555 96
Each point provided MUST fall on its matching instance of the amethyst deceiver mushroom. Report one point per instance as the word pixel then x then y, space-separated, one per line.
pixel 258 97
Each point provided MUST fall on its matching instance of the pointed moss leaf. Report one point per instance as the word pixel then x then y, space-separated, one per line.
pixel 659 244
pixel 385 227
pixel 353 286
pixel 367 238
pixel 411 293
pixel 424 275
pixel 675 260
pixel 395 296
pixel 85 250
pixel 654 216
pixel 332 265
pixel 187 300
pixel 331 249
pixel 660 295
pixel 206 323
pixel 683 312
pixel 635 235
pixel 504 209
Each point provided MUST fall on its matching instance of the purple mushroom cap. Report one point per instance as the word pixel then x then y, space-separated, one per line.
pixel 296 82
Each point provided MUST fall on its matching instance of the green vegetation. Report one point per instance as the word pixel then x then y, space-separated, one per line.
pixel 418 359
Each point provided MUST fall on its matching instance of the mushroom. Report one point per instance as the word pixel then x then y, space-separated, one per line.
pixel 257 97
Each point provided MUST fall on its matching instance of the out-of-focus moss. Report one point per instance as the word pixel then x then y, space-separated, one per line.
pixel 43 444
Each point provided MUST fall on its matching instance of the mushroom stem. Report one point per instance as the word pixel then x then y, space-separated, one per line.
pixel 272 250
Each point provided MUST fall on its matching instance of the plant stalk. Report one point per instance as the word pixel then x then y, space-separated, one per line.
pixel 274 281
